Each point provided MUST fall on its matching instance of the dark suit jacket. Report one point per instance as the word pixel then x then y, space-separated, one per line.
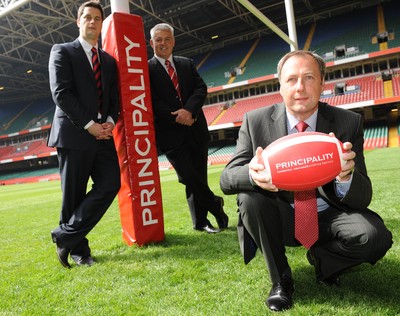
pixel 74 92
pixel 263 126
pixel 165 100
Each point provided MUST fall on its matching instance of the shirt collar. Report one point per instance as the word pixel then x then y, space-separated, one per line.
pixel 162 60
pixel 292 122
pixel 87 47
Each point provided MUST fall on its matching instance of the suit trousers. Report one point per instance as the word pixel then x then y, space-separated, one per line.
pixel 82 210
pixel 346 239
pixel 190 163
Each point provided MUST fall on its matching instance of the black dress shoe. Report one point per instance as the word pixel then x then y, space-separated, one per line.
pixel 209 229
pixel 333 280
pixel 62 252
pixel 280 297
pixel 62 255
pixel 222 221
pixel 84 261
pixel 220 216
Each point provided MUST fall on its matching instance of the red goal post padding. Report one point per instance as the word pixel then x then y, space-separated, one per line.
pixel 139 199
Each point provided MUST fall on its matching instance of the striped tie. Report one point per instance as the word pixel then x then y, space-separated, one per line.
pixel 305 210
pixel 173 76
pixel 97 74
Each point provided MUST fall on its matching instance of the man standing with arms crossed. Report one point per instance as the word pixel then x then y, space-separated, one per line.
pixel 84 86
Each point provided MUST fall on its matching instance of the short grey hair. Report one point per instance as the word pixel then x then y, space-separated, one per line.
pixel 161 27
pixel 320 61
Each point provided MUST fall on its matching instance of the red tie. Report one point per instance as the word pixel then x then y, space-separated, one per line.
pixel 173 76
pixel 305 210
pixel 97 74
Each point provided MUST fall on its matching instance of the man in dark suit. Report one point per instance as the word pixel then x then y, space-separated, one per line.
pixel 178 94
pixel 349 233
pixel 87 108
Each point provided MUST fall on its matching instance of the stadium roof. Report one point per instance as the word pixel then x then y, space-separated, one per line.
pixel 29 28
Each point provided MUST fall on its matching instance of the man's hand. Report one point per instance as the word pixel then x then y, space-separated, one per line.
pixel 101 131
pixel 348 156
pixel 255 171
pixel 183 117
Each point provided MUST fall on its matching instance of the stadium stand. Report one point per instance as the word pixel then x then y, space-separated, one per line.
pixel 48 174
pixel 356 89
pixel 221 155
pixel 349 31
pixel 223 61
pixel 355 80
pixel 235 113
pixel 376 137
pixel 396 83
pixel 391 23
pixel 211 112
pixel 266 55
pixel 264 58
pixel 163 162
pixel 24 116
pixel 6 151
pixel 36 148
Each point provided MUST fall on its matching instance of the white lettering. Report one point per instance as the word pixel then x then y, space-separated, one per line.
pixel 145 197
pixel 147 163
pixel 137 118
pixel 128 49
pixel 141 104
pixel 147 217
pixel 304 161
pixel 140 123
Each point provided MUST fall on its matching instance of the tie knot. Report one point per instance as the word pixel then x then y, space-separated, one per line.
pixel 94 50
pixel 167 63
pixel 301 126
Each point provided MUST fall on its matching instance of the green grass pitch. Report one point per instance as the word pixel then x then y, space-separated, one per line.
pixel 190 273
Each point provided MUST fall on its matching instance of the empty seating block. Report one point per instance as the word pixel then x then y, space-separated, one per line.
pixel 376 137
